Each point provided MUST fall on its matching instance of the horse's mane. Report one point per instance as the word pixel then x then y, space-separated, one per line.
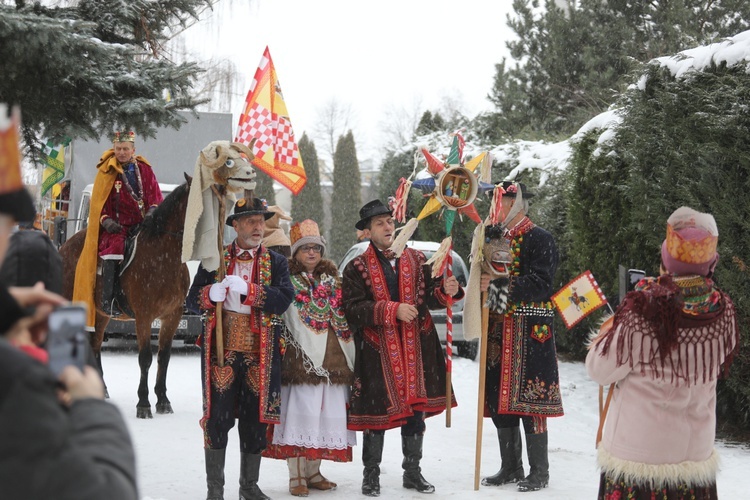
pixel 156 224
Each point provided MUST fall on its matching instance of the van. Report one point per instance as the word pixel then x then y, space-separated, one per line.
pixel 461 347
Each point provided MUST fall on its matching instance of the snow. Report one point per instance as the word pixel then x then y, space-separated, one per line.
pixel 169 448
pixel 732 51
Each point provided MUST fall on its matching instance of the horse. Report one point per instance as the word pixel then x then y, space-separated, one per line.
pixel 156 281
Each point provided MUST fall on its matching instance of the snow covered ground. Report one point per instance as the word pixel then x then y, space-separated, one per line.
pixel 170 455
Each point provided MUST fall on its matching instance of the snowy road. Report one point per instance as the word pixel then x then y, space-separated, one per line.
pixel 170 455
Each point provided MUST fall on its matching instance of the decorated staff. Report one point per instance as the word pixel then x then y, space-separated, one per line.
pixel 452 186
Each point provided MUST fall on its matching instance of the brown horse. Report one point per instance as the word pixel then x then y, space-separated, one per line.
pixel 155 282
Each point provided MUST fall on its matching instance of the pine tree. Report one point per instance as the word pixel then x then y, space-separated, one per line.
pixel 308 204
pixel 568 64
pixel 346 200
pixel 264 187
pixel 84 70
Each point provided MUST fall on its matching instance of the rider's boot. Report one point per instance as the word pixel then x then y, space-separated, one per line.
pixel 109 275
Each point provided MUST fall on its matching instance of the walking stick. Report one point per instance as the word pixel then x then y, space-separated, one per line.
pixel 222 273
pixel 480 397
pixel 449 343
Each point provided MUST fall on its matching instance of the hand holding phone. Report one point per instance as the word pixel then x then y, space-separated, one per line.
pixel 66 339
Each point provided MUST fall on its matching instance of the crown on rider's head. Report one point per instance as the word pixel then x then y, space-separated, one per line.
pixel 126 136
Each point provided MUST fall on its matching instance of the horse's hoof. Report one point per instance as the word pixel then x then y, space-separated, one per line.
pixel 143 412
pixel 164 408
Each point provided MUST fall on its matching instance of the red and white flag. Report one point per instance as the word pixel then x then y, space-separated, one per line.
pixel 266 119
pixel 578 299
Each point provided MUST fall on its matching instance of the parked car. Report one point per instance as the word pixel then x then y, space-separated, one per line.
pixel 461 347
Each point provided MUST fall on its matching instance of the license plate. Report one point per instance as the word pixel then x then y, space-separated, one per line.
pixel 181 326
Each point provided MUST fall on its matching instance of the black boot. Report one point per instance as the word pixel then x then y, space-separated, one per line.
pixel 511 458
pixel 538 478
pixel 372 454
pixel 109 276
pixel 215 473
pixel 249 474
pixel 411 446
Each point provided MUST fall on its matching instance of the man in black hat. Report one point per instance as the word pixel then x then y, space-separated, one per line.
pixel 522 380
pixel 244 381
pixel 400 368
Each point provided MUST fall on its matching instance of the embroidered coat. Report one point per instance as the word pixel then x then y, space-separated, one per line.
pixel 661 423
pixel 127 205
pixel 399 367
pixel 521 353
pixel 271 295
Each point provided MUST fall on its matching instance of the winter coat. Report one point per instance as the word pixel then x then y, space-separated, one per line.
pixel 50 451
pixel 399 367
pixel 661 423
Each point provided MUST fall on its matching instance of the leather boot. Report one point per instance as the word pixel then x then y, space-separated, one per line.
pixel 511 458
pixel 249 474
pixel 411 446
pixel 215 473
pixel 109 270
pixel 538 478
pixel 297 478
pixel 315 480
pixel 372 454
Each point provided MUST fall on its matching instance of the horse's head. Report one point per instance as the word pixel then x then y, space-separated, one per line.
pixel 227 166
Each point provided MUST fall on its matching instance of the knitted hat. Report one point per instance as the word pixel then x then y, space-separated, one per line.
pixel 15 200
pixel 690 245
pixel 306 232
pixel 252 206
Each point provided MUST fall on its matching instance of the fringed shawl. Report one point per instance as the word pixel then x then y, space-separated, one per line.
pixel 682 324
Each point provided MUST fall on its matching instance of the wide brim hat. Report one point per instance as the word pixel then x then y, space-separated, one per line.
pixel 511 189
pixel 370 210
pixel 306 232
pixel 278 214
pixel 252 206
pixel 15 200
pixel 690 245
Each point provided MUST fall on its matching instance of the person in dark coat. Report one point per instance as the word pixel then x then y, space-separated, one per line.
pixel 399 367
pixel 522 381
pixel 31 258
pixel 58 437
pixel 246 382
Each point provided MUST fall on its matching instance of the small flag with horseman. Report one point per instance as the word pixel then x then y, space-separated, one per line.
pixel 578 299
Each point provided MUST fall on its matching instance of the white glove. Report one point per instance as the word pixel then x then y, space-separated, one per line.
pixel 235 284
pixel 217 292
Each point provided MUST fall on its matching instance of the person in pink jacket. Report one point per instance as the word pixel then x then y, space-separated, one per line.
pixel 668 342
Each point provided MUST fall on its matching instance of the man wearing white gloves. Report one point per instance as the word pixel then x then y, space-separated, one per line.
pixel 243 381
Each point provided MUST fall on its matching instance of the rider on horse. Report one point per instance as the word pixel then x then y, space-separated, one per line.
pixel 125 192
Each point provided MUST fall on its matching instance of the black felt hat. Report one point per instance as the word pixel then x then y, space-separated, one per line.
pixel 370 210
pixel 511 190
pixel 251 206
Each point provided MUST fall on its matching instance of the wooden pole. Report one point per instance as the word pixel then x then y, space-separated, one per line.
pixel 222 271
pixel 480 397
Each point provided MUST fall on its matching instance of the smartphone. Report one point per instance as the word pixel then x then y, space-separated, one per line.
pixel 66 337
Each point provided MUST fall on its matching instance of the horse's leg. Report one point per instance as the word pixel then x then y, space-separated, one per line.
pixel 169 324
pixel 97 338
pixel 145 356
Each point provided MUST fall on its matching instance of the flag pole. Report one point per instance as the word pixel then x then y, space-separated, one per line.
pixel 480 397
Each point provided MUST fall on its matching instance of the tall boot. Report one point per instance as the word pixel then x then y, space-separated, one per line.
pixel 109 270
pixel 372 454
pixel 249 474
pixel 411 446
pixel 511 458
pixel 536 448
pixel 297 476
pixel 215 473
pixel 316 480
